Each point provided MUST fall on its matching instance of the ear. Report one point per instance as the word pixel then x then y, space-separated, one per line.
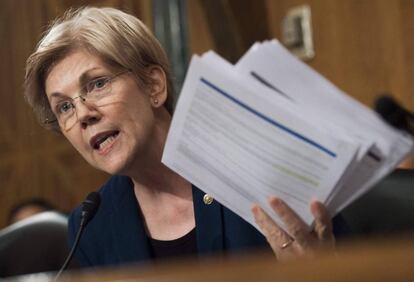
pixel 158 88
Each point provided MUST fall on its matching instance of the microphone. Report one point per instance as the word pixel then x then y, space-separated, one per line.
pixel 394 114
pixel 89 207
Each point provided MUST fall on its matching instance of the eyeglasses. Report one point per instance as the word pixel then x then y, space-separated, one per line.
pixel 93 92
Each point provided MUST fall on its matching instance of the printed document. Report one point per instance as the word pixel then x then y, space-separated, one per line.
pixel 271 126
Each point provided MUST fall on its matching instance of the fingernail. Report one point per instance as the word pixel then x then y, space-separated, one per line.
pixel 257 214
pixel 255 209
pixel 317 209
pixel 314 206
pixel 276 202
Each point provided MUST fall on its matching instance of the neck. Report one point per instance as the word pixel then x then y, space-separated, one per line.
pixel 162 182
pixel 166 205
pixel 164 197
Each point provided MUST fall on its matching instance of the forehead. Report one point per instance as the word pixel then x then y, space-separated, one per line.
pixel 67 73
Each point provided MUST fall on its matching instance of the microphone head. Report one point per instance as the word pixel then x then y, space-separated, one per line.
pixel 391 112
pixel 90 206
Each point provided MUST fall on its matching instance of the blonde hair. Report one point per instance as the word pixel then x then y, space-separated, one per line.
pixel 120 39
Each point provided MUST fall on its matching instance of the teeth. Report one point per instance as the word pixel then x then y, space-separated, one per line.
pixel 106 142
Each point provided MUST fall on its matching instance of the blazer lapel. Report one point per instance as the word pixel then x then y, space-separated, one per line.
pixel 209 224
pixel 127 226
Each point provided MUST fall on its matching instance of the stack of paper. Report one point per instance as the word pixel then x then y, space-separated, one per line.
pixel 270 125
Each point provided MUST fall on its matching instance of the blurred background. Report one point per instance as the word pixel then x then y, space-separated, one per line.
pixel 365 47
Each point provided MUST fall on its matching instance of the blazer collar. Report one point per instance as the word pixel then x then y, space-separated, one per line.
pixel 128 229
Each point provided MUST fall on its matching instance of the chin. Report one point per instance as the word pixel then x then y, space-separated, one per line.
pixel 109 166
pixel 119 166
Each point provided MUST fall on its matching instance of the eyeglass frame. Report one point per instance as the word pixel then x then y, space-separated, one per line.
pixel 82 97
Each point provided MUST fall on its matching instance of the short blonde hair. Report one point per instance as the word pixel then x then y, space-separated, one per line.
pixel 120 39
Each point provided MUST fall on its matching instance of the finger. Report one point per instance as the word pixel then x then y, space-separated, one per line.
pixel 275 235
pixel 294 224
pixel 323 222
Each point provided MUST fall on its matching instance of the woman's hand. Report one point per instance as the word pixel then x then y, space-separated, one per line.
pixel 297 240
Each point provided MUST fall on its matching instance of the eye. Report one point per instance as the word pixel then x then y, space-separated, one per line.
pixel 64 107
pixel 97 85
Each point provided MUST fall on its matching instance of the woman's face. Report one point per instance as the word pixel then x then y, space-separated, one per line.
pixel 109 134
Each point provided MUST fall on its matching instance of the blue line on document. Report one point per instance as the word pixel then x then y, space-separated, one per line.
pixel 269 120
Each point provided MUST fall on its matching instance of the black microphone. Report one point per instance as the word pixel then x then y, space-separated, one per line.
pixel 89 207
pixel 394 114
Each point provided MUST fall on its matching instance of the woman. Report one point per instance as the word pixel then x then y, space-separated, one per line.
pixel 101 78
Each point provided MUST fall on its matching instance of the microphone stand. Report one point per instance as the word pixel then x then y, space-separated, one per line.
pixel 72 251
pixel 89 208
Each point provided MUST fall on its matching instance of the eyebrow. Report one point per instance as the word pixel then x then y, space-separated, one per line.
pixel 86 76
pixel 83 79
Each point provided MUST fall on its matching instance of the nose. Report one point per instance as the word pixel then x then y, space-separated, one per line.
pixel 87 113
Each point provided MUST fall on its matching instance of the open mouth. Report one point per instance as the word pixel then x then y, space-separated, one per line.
pixel 102 140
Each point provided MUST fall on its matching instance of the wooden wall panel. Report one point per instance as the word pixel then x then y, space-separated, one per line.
pixel 33 161
pixel 200 35
pixel 361 45
pixel 227 26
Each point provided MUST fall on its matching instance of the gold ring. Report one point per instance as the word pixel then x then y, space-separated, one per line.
pixel 287 244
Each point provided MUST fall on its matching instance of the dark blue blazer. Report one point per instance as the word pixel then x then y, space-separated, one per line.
pixel 116 234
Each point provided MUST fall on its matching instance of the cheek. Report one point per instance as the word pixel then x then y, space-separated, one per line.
pixel 137 111
pixel 78 143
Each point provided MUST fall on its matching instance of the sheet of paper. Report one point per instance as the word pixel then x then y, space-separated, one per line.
pixel 381 147
pixel 231 139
